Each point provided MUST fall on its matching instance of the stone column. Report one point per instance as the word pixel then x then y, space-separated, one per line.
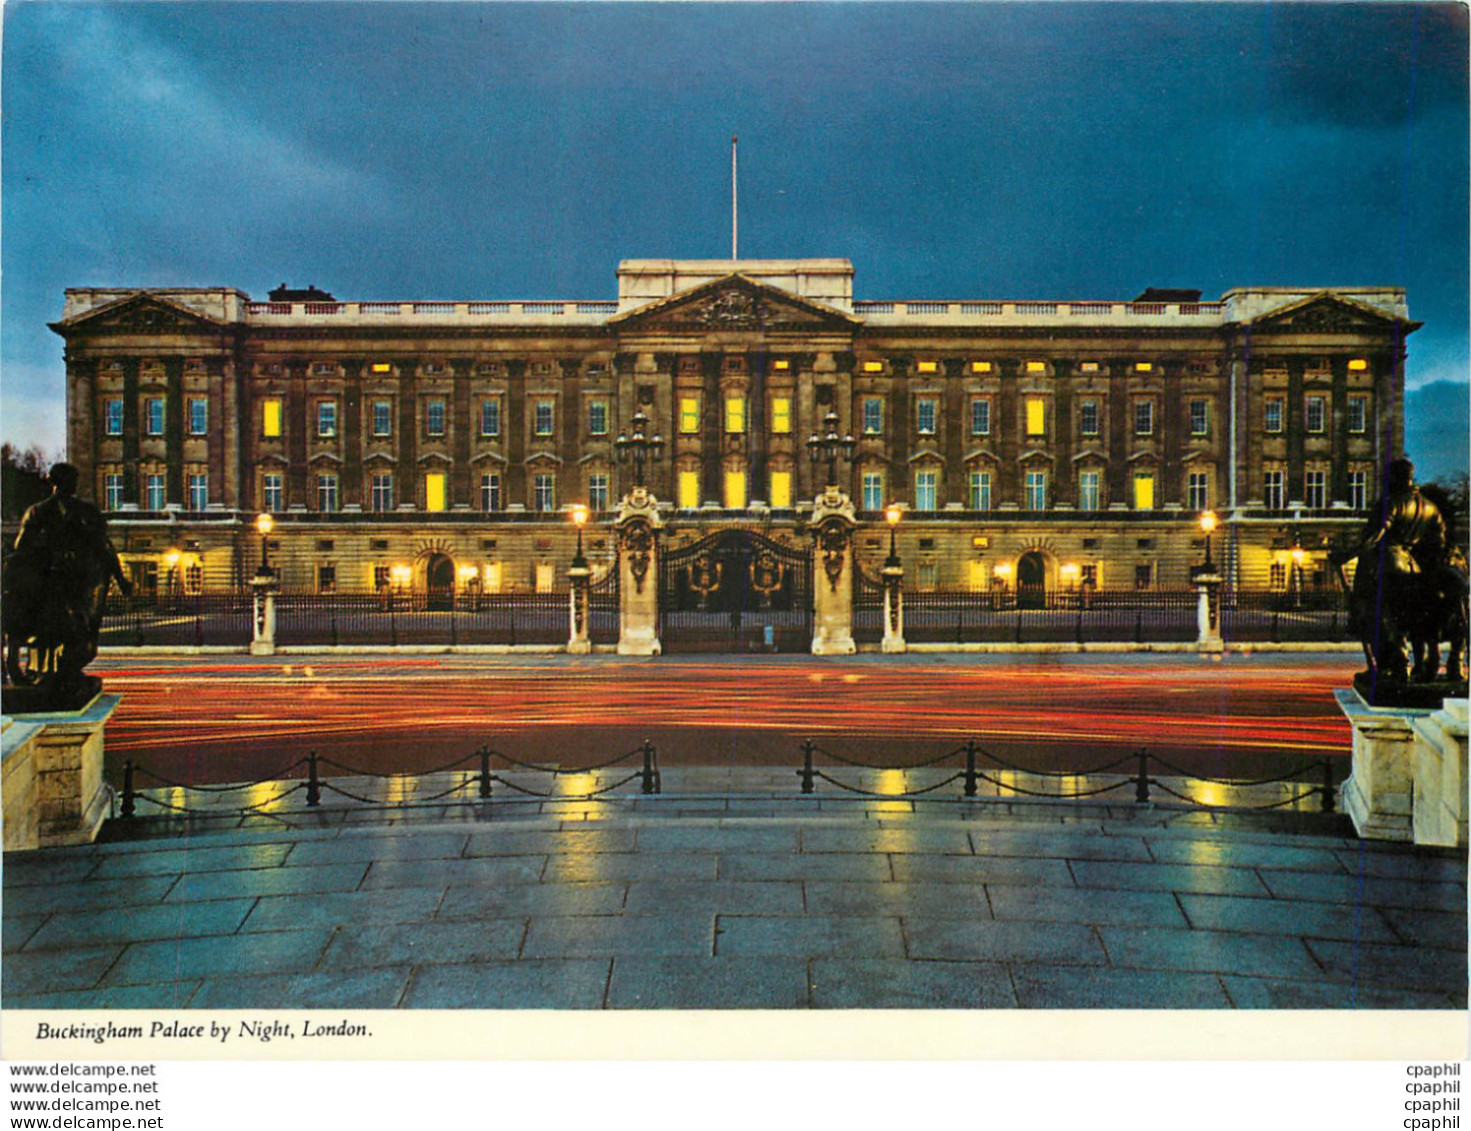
pixel 1377 794
pixel 54 793
pixel 1439 810
pixel 637 529
pixel 832 579
pixel 1208 613
pixel 893 640
pixel 578 641
pixel 263 621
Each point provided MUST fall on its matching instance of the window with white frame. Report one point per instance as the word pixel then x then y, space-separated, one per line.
pixel 544 418
pixel 153 492
pixel 490 491
pixel 153 416
pixel 544 491
pixel 1200 423
pixel 382 491
pixel 1274 489
pixel 1143 418
pixel 198 416
pixel 980 417
pixel 1197 491
pixel 1089 484
pixel 1035 491
pixel 1315 489
pixel 112 491
pixel 925 410
pixel 1358 490
pixel 326 492
pixel 597 418
pixel 434 418
pixel 270 485
pixel 1316 414
pixel 112 417
pixel 980 490
pixel 1088 418
pixel 873 490
pixel 925 490
pixel 198 492
pixel 326 418
pixel 873 416
pixel 382 418
pixel 490 416
pixel 597 491
pixel 1358 414
pixel 1272 414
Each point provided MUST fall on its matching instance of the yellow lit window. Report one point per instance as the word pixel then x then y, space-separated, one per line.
pixel 977 576
pixel 980 367
pixel 382 367
pixel 1144 492
pixel 735 414
pixel 689 415
pixel 270 423
pixel 781 415
pixel 873 367
pixel 434 491
pixel 781 366
pixel 689 490
pixel 929 367
pixel 492 574
pixel 1036 367
pixel 1036 416
pixel 735 490
pixel 781 488
pixel 1358 364
pixel 1145 367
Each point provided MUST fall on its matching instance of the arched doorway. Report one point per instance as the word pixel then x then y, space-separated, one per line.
pixel 439 579
pixel 1031 581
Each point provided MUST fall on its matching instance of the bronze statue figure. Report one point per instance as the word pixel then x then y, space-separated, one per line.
pixel 55 595
pixel 1409 593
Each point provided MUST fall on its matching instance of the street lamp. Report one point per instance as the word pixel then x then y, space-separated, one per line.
pixel 1069 574
pixel 265 524
pixel 171 559
pixel 579 517
pixel 638 448
pixel 1208 523
pixel 892 516
pixel 1298 556
pixel 829 445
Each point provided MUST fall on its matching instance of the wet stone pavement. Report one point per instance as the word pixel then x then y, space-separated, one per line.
pixel 728 893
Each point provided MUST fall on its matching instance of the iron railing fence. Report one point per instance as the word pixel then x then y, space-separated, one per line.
pixel 868 607
pixel 390 619
pixel 962 616
pixel 179 621
pixel 1280 616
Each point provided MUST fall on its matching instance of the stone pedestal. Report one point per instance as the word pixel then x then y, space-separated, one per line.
pixel 832 579
pixel 578 641
pixel 1208 611
pixel 637 527
pixel 53 792
pixel 263 618
pixel 893 640
pixel 1439 802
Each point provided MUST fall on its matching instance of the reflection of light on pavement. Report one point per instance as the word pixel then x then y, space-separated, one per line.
pixel 1208 793
pixel 400 789
pixel 892 782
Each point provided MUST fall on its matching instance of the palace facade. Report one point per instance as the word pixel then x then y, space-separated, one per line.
pixel 440 444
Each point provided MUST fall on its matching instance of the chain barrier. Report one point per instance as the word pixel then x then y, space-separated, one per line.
pixel 268 780
pixel 874 793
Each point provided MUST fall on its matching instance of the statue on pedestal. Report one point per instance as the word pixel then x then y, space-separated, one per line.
pixel 1409 594
pixel 55 595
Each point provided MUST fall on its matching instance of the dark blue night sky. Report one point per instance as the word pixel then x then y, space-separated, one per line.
pixel 455 150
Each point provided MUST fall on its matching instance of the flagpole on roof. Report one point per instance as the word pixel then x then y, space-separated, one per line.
pixel 733 222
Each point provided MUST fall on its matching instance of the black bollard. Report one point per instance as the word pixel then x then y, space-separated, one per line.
pixel 970 767
pixel 313 783
pixel 650 773
pixel 1328 799
pixel 130 805
pixel 1141 780
pixel 484 771
pixel 805 773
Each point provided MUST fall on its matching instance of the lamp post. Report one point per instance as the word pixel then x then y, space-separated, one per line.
pixel 828 445
pixel 264 523
pixel 1208 523
pixel 1208 591
pixel 579 575
pixel 579 519
pixel 892 515
pixel 171 559
pixel 893 575
pixel 637 449
pixel 263 585
pixel 1299 555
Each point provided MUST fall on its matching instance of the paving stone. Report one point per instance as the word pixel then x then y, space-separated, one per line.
pixel 604 866
pixel 19 929
pixel 355 847
pixel 1159 948
pixel 192 860
pixel 159 995
pixel 1406 865
pixel 684 897
pixel 1237 854
pixel 332 909
pixel 887 983
pixel 587 936
pixel 795 866
pixel 1408 967
pixel 1059 844
pixel 442 873
pixel 951 900
pixel 1001 942
pixel 26 869
pixel 136 924
pixel 1371 890
pixel 557 984
pixel 905 839
pixel 267 881
pixel 470 902
pixel 708 983
pixel 809 936
pixel 541 842
pixel 1166 877
pixel 379 988
pixel 947 870
pixel 181 959
pixel 87 895
pixel 1280 917
pixel 1428 928
pixel 1075 905
pixel 1277 993
pixel 272 832
pixel 422 944
pixel 718 838
pixel 49 971
pixel 1075 987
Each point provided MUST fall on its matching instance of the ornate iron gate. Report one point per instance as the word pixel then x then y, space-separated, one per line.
pixel 736 591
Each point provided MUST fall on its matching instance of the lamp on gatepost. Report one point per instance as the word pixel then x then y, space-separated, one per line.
pixel 171 559
pixel 264 523
pixel 263 585
pixel 1299 555
pixel 892 515
pixel 1208 523
pixel 638 449
pixel 893 575
pixel 829 445
pixel 579 519
pixel 578 640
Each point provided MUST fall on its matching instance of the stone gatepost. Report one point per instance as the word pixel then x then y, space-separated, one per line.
pixel 578 641
pixel 54 793
pixel 637 528
pixel 1208 611
pixel 1439 806
pixel 832 526
pixel 893 640
pixel 263 619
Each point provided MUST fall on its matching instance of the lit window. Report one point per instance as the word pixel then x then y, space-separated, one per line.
pixel 781 366
pixel 490 417
pixel 1358 364
pixel 928 367
pixel 326 418
pixel 434 418
pixel 735 490
pixel 153 496
pixel 873 491
pixel 271 492
pixel 980 418
pixel 198 416
pixel 270 417
pixel 597 491
pixel 980 367
pixel 1278 575
pixel 326 492
pixel 1143 418
pixel 490 491
pixel 781 415
pixel 1088 418
pixel 434 492
pixel 980 490
pixel 1273 490
pixel 112 418
pixel 781 489
pixel 689 415
pixel 873 416
pixel 1358 414
pixel 1317 414
pixel 382 493
pixel 1200 417
pixel 925 410
pixel 1197 491
pixel 924 490
pixel 1036 367
pixel 1088 367
pixel 873 367
pixel 1144 367
pixel 382 367
pixel 198 492
pixel 112 491
pixel 597 418
pixel 153 416
pixel 1035 488
pixel 1272 414
pixel 1036 416
pixel 1315 489
pixel 382 418
pixel 1143 491
pixel 1358 490
pixel 735 414
pixel 544 492
pixel 1089 495
pixel 544 419
pixel 689 490
pixel 326 578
